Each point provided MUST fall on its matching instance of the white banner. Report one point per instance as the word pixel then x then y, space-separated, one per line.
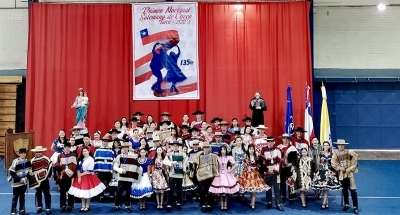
pixel 165 51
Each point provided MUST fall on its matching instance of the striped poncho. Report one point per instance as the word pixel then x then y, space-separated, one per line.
pixel 41 168
pixel 20 168
pixel 129 163
pixel 66 166
pixel 103 160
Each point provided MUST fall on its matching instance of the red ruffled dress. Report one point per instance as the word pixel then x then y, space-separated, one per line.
pixel 90 185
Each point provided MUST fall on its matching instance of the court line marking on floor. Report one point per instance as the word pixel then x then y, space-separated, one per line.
pixel 360 197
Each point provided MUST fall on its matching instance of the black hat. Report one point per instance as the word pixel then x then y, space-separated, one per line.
pixel 270 138
pixel 114 130
pixel 165 114
pixel 86 135
pixel 165 122
pixel 175 143
pixel 193 129
pixel 138 113
pixel 300 129
pixel 185 126
pixel 216 119
pixel 67 144
pixel 116 140
pixel 134 119
pixel 237 133
pixel 22 150
pixel 125 138
pixel 247 118
pixel 198 112
pixel 226 136
pixel 105 139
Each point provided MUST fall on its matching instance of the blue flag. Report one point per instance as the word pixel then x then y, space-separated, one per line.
pixel 289 122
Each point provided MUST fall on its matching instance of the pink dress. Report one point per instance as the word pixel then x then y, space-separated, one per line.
pixel 226 182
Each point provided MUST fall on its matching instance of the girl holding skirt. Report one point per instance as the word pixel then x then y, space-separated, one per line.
pixel 250 180
pixel 325 179
pixel 86 184
pixel 159 177
pixel 225 184
pixel 143 188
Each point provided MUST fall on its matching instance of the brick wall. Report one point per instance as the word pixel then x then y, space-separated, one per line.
pixel 13 38
pixel 357 37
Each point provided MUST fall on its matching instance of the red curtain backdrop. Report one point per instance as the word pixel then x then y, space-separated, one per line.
pixel 72 46
pixel 257 47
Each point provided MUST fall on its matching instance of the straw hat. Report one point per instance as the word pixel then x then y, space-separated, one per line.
pixel 76 128
pixel 125 144
pixel 341 142
pixel 205 144
pixel 38 149
pixel 285 135
pixel 262 127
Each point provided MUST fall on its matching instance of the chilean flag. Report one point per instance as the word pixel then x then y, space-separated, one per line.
pixel 308 121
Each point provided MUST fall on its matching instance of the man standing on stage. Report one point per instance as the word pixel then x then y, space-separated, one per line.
pixel 258 106
pixel 345 162
pixel 66 169
pixel 41 168
pixel 129 171
pixel 272 161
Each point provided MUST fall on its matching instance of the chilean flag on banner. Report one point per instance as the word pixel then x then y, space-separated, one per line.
pixel 308 121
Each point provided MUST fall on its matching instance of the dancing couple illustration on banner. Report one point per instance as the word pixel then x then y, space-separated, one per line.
pixel 165 51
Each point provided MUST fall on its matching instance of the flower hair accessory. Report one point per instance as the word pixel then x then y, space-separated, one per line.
pixel 80 89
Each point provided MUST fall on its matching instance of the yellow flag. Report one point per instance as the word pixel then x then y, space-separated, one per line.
pixel 325 127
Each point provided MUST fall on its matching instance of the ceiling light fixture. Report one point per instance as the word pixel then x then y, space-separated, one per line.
pixel 381 6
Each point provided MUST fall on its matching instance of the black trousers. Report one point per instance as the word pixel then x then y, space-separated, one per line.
pixel 284 175
pixel 44 189
pixel 175 184
pixel 64 187
pixel 273 183
pixel 123 186
pixel 205 197
pixel 195 192
pixel 346 187
pixel 18 194
pixel 105 178
pixel 285 172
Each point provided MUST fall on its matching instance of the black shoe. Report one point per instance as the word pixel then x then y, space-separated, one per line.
pixel 355 210
pixel 128 210
pixel 22 212
pixel 203 209
pixel 169 208
pixel 269 205
pixel 69 209
pixel 39 210
pixel 63 209
pixel 179 207
pixel 82 210
pixel 48 212
pixel 345 208
pixel 209 209
pixel 291 201
pixel 279 208
pixel 115 209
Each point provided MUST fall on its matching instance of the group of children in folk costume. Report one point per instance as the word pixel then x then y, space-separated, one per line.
pixel 139 175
